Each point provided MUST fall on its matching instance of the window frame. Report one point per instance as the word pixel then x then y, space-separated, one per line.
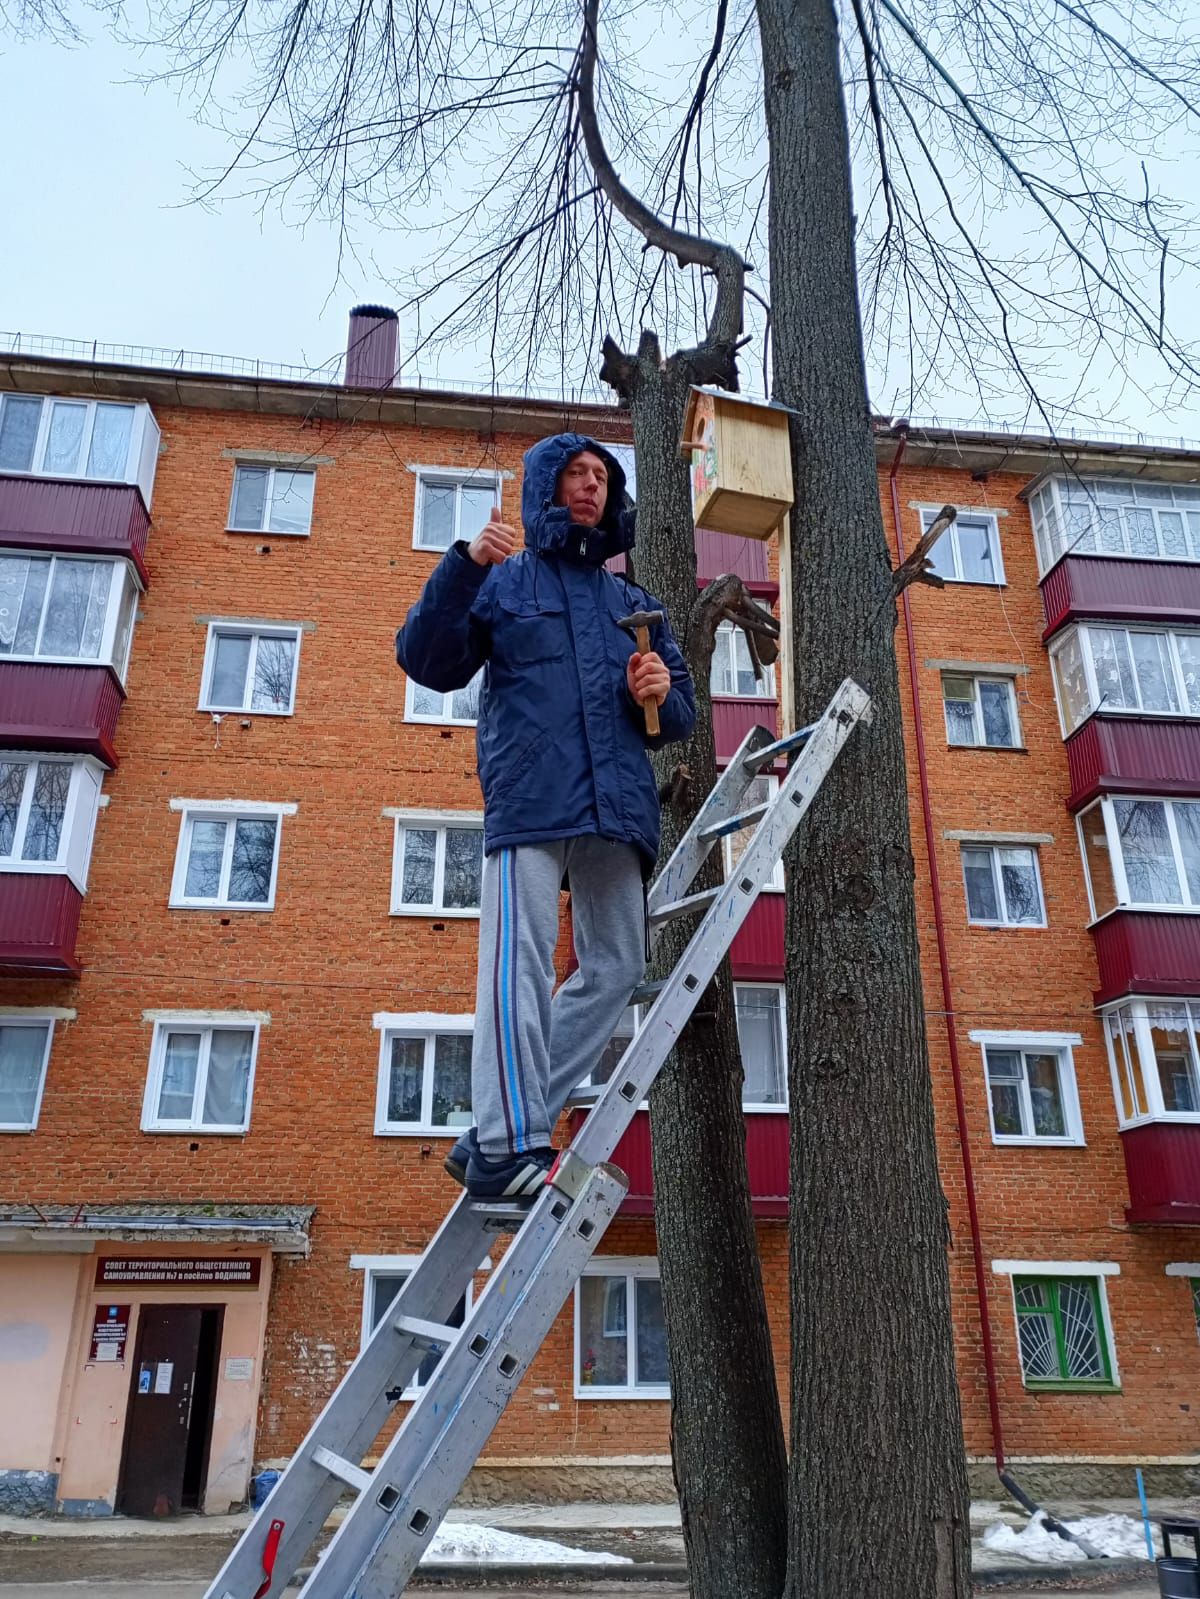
pixel 1053 544
pixel 32 1017
pixel 427 1026
pixel 441 823
pixel 1054 1272
pixel 929 515
pixel 726 634
pixel 1116 857
pixel 1021 1042
pixel 230 812
pixel 122 583
pixel 223 627
pixel 271 468
pixel 1081 634
pixel 776 883
pixel 455 477
pixel 998 884
pixel 632 1268
pixel 138 471
pixel 1142 1062
pixel 444 718
pixel 206 1023
pixel 375 1266
pixel 79 814
pixel 975 679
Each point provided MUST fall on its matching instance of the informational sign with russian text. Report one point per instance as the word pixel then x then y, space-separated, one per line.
pixel 171 1271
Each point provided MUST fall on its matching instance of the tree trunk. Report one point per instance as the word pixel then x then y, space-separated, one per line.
pixel 727 1434
pixel 878 1501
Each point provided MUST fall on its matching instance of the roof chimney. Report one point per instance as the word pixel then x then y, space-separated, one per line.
pixel 372 348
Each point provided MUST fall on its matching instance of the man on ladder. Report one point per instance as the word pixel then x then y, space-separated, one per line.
pixel 568 790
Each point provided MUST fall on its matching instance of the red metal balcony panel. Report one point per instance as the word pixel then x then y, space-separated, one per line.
pixel 733 719
pixel 1162 1163
pixel 1107 586
pixel 717 553
pixel 1144 952
pixel 59 708
pixel 1116 754
pixel 85 518
pixel 39 923
pixel 766 1158
pixel 757 952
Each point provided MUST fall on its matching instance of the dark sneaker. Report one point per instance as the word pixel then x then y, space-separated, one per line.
pixel 510 1177
pixel 456 1161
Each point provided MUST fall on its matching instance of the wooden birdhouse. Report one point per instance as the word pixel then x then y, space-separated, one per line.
pixel 741 462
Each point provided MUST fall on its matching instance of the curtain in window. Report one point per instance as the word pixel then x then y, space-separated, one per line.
pixel 108 455
pixel 228 1077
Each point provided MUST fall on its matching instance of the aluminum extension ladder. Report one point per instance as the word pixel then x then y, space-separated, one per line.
pixel 398 1506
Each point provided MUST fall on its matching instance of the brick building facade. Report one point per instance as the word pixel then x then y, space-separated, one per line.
pixel 237 859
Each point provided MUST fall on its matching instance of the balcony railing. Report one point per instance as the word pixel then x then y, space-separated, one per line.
pixel 39 923
pixel 1127 754
pixel 1162 1162
pixel 1083 586
pixel 1147 952
pixel 766 1158
pixel 70 708
pixel 84 518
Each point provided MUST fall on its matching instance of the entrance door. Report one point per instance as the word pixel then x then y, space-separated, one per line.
pixel 170 1411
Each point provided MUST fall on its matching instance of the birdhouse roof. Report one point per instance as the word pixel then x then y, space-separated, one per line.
pixel 726 397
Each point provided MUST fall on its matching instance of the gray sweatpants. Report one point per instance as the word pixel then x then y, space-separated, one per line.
pixel 529 1050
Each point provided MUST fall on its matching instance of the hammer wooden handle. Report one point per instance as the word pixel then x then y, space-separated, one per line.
pixel 650 706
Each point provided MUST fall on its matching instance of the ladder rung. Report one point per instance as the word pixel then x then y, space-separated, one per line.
pixel 734 824
pixel 784 746
pixel 684 907
pixel 501 1216
pixel 433 1334
pixel 646 993
pixel 352 1476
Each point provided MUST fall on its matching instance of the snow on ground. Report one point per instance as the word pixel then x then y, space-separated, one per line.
pixel 1118 1536
pixel 465 1540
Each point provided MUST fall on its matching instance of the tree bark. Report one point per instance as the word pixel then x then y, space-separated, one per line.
pixel 878 1497
pixel 727 1438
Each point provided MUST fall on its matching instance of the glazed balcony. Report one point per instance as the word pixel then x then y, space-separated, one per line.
pixel 39 923
pixel 1162 1163
pixel 1109 587
pixel 74 517
pixel 70 708
pixel 1122 754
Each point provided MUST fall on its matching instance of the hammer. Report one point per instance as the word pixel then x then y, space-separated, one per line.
pixel 640 624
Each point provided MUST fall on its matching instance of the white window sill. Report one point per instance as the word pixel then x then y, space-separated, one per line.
pixel 179 1130
pixel 237 710
pixel 975 582
pixel 437 721
pixel 59 660
pixel 43 868
pixel 1008 927
pixel 432 911
pixel 269 533
pixel 71 477
pixel 1173 1118
pixel 590 1391
pixel 1034 1141
pixel 409 1130
pixel 18 1127
pixel 216 905
pixel 432 549
pixel 1146 910
pixel 764 1110
pixel 991 749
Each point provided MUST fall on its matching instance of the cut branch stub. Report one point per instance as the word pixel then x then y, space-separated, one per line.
pixel 917 567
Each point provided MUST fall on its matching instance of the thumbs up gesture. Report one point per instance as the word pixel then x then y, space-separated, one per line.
pixel 495 543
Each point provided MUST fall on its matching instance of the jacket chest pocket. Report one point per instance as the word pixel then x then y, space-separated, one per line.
pixel 530 636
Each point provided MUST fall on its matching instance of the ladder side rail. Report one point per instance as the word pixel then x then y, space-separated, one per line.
pixel 626 1090
pixel 381 1540
pixel 690 853
pixel 355 1413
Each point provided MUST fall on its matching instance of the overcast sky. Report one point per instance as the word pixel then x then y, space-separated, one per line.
pixel 102 242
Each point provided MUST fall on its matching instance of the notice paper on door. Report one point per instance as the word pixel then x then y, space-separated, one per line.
pixel 163 1373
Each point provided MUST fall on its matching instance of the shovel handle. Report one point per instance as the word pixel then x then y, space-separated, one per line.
pixel 650 706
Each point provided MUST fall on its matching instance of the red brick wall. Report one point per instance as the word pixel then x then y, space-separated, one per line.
pixel 329 955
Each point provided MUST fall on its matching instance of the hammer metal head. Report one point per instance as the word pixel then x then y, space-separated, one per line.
pixel 640 619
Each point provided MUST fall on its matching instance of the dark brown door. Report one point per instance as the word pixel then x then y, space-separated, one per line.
pixel 160 1416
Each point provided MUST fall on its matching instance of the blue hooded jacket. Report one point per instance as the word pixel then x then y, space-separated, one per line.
pixel 562 745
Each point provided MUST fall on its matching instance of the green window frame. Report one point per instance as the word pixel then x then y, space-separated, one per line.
pixel 1061 1333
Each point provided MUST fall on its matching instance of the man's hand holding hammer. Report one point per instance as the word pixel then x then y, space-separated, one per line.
pixel 647 677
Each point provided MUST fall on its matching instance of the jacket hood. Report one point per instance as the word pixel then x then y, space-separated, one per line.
pixel 548 527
